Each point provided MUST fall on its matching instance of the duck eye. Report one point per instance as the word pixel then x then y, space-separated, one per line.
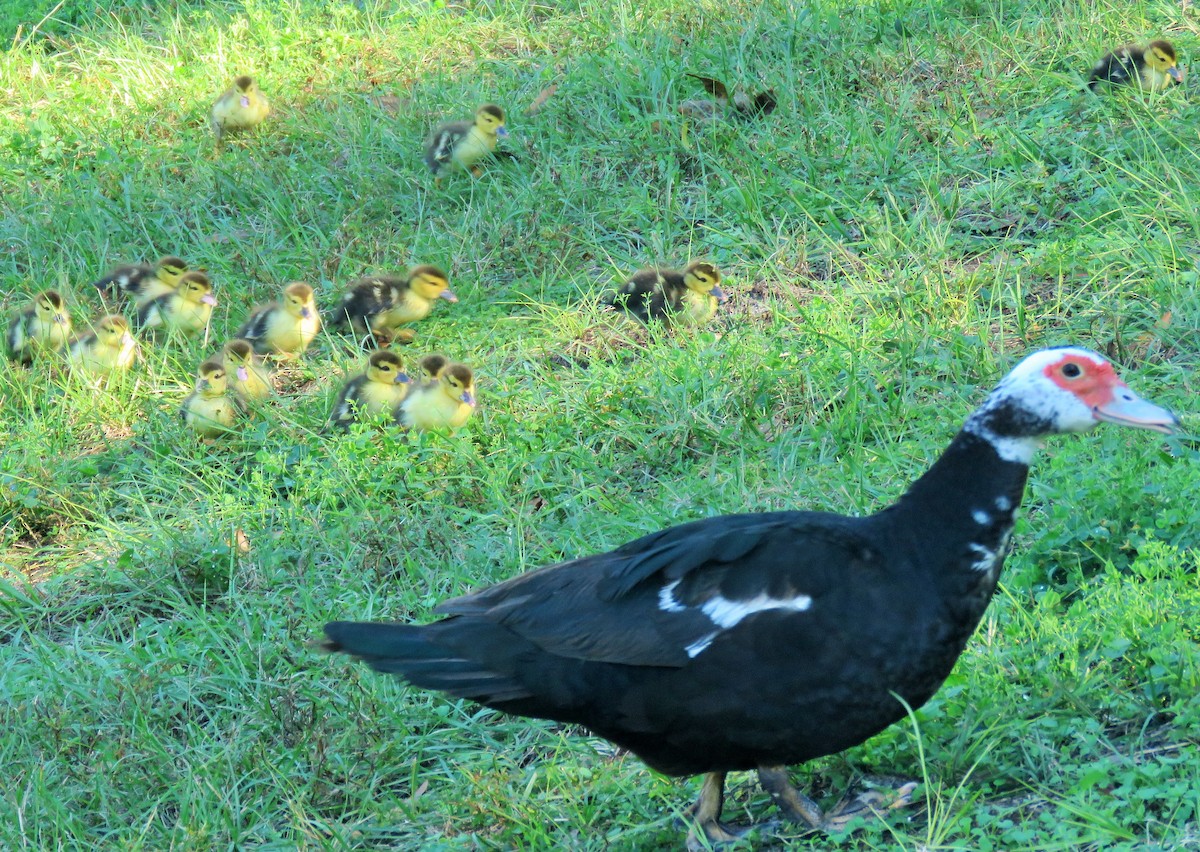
pixel 1072 370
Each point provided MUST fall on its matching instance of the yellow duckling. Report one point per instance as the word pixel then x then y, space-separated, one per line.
pixel 445 404
pixel 249 378
pixel 284 328
pixel 242 106
pixel 42 327
pixel 211 410
pixel 382 303
pixel 374 393
pixel 432 366
pixel 1152 68
pixel 186 310
pixel 107 350
pixel 465 143
pixel 143 282
pixel 688 297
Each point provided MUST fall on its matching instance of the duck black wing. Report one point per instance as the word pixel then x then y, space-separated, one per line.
pixel 658 602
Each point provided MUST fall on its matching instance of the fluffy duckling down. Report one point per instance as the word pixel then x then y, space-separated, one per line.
pixel 379 305
pixel 246 373
pixel 211 409
pixel 142 282
pixel 186 310
pixel 242 106
pixel 42 327
pixel 1152 68
pixel 431 366
pixel 445 404
pixel 372 394
pixel 687 297
pixel 284 328
pixel 107 350
pixel 465 143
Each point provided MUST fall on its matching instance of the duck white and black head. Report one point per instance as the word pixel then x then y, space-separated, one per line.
pixel 1055 391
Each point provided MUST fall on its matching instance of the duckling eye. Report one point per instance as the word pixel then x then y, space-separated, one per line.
pixel 1072 371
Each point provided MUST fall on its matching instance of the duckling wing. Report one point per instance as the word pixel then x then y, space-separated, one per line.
pixel 439 148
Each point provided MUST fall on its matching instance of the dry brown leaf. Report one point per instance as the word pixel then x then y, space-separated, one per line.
pixel 390 103
pixel 540 101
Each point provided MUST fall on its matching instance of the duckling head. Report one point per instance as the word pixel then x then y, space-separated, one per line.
pixel 169 269
pixel 705 278
pixel 241 353
pixel 246 86
pixel 212 378
pixel 50 307
pixel 432 366
pixel 298 300
pixel 429 282
pixel 489 118
pixel 387 368
pixel 113 330
pixel 459 382
pixel 196 288
pixel 1160 56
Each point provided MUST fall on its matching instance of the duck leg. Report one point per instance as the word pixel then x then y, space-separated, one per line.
pixel 796 806
pixel 799 808
pixel 708 832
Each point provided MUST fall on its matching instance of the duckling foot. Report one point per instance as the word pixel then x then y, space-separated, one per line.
pixel 799 808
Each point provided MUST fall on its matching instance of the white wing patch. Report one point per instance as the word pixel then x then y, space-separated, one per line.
pixel 981 517
pixel 667 601
pixel 701 644
pixel 726 613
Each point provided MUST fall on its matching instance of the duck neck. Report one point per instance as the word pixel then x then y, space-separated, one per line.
pixel 972 480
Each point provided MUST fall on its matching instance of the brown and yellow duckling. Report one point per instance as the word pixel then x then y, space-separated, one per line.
pixel 445 404
pixel 186 310
pixel 212 409
pixel 107 350
pixel 284 328
pixel 687 297
pixel 380 304
pixel 247 375
pixel 142 282
pixel 1152 68
pixel 431 366
pixel 373 394
pixel 465 143
pixel 43 327
pixel 242 106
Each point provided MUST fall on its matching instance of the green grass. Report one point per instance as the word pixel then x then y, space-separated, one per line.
pixel 933 197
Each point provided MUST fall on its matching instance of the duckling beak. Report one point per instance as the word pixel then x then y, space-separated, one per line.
pixel 403 379
pixel 202 385
pixel 468 398
pixel 448 295
pixel 208 299
pixel 61 319
pixel 245 101
pixel 502 132
pixel 1176 74
pixel 1128 409
pixel 243 374
pixel 719 294
pixel 306 313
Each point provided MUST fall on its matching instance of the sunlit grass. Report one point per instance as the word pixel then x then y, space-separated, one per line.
pixel 934 196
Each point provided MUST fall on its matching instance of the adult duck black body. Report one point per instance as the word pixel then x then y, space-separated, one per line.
pixel 754 641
